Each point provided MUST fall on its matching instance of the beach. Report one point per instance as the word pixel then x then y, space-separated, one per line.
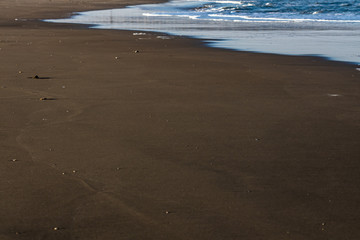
pixel 107 134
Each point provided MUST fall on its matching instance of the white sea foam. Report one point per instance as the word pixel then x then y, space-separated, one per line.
pixel 157 15
pixel 229 2
pixel 248 5
pixel 273 19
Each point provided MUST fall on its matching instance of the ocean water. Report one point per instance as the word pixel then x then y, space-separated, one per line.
pixel 325 28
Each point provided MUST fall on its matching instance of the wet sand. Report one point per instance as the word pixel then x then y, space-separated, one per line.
pixel 175 141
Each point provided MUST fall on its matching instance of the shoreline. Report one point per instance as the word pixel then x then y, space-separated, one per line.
pixel 66 14
pixel 309 42
pixel 174 141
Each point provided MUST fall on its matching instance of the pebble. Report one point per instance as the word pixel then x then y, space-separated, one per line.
pixel 334 95
pixel 136 51
pixel 14 160
pixel 163 37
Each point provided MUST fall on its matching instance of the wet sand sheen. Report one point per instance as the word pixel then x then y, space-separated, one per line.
pixel 176 141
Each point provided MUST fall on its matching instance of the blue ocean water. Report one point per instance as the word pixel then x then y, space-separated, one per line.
pixel 326 28
pixel 266 10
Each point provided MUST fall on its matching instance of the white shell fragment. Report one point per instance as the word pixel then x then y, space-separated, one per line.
pixel 139 34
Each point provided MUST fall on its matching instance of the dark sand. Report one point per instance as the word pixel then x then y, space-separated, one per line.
pixel 178 141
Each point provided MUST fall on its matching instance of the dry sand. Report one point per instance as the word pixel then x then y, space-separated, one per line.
pixel 178 141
